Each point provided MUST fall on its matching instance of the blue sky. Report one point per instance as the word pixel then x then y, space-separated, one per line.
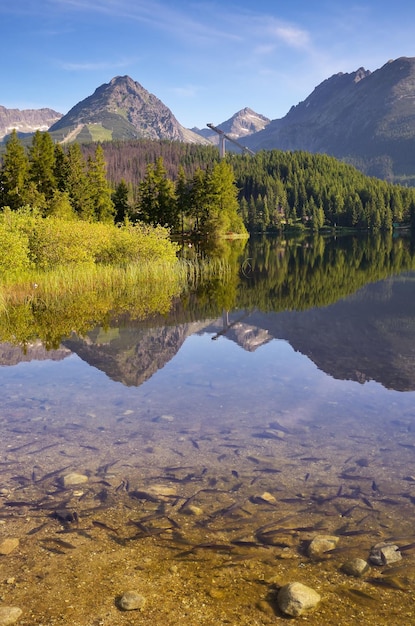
pixel 205 60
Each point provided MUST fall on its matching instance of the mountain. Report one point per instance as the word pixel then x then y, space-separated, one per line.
pixel 26 120
pixel 121 109
pixel 245 122
pixel 366 118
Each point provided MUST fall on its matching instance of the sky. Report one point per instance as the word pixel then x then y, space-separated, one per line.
pixel 204 59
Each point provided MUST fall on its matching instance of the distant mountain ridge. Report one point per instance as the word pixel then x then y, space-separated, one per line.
pixel 365 118
pixel 26 120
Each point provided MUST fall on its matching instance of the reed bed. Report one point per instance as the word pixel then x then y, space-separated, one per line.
pixel 74 280
pixel 52 304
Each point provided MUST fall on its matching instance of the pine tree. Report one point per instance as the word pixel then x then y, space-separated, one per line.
pixel 77 183
pixel 222 202
pixel 61 168
pixel 42 164
pixel 157 201
pixel 99 189
pixel 120 199
pixel 198 198
pixel 14 173
pixel 183 197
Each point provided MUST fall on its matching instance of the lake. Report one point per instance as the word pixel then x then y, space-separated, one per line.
pixel 194 455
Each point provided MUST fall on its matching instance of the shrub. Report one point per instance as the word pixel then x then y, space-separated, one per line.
pixel 48 242
pixel 14 246
pixel 131 243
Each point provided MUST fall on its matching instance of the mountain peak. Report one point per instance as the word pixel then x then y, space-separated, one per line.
pixel 243 123
pixel 123 109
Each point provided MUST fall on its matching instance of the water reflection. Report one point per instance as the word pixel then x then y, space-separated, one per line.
pixel 215 441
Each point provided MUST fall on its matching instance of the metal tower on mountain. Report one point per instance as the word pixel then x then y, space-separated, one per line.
pixel 223 136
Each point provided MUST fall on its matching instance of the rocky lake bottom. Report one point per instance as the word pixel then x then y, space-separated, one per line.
pixel 201 493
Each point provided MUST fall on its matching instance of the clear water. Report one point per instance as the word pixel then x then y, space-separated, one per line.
pixel 193 437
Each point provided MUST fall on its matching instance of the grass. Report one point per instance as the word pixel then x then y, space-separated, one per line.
pixel 50 305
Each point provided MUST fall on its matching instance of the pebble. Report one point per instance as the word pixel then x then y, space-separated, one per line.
pixel 296 599
pixel 321 544
pixel 384 553
pixel 8 545
pixel 192 509
pixel 163 491
pixel 74 479
pixel 131 601
pixel 267 497
pixel 9 615
pixel 164 418
pixel 355 567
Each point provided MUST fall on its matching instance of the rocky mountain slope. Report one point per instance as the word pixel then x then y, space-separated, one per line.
pixel 245 122
pixel 367 118
pixel 121 109
pixel 26 120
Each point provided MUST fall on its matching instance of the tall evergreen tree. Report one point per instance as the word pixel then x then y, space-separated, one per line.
pixel 77 183
pixel 157 201
pixel 42 164
pixel 120 199
pixel 61 168
pixel 99 189
pixel 183 197
pixel 222 214
pixel 14 174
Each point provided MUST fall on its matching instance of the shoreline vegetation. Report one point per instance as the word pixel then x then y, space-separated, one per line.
pixel 285 274
pixel 78 246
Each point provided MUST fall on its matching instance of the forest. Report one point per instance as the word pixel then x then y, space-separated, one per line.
pixel 190 190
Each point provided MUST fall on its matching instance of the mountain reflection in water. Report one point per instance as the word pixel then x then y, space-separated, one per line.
pixel 268 406
pixel 367 336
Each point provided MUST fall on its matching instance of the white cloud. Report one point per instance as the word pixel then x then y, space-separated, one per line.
pixel 92 66
pixel 292 36
pixel 189 91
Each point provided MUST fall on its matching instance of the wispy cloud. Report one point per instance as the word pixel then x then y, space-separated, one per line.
pixel 188 91
pixel 92 66
pixel 291 35
pixel 159 15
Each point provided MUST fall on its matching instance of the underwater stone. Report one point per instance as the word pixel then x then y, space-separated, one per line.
pixel 384 553
pixel 131 601
pixel 9 615
pixel 164 418
pixel 8 545
pixel 322 544
pixel 74 479
pixel 355 567
pixel 295 599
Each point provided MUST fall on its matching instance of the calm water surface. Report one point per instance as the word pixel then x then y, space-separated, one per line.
pixel 212 450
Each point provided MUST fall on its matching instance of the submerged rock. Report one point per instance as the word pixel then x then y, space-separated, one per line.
pixel 355 567
pixel 163 418
pixel 296 599
pixel 74 479
pixel 322 544
pixel 8 545
pixel 384 553
pixel 131 601
pixel 9 615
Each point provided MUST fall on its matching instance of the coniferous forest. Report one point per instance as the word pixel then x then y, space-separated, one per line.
pixel 187 188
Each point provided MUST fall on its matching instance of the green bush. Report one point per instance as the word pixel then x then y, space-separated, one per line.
pixel 59 242
pixel 48 242
pixel 14 247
